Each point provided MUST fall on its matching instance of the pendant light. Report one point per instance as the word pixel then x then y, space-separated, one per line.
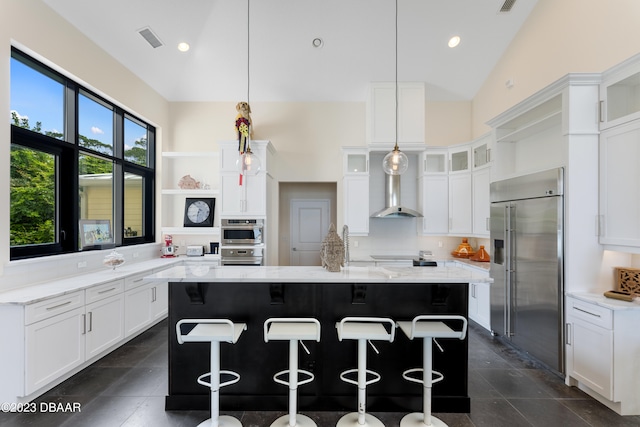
pixel 395 162
pixel 248 164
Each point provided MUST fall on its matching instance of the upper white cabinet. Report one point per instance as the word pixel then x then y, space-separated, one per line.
pixel 435 161
pixel 480 181
pixel 460 204
pixel 619 181
pixel 481 152
pixel 619 152
pixel 248 199
pixel 620 93
pixel 381 113
pixel 459 159
pixel 355 189
pixel 433 191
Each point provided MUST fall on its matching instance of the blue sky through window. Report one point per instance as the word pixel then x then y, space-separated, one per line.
pixel 37 97
pixel 40 98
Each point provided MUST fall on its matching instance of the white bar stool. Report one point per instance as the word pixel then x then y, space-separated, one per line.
pixel 363 329
pixel 428 327
pixel 294 330
pixel 214 331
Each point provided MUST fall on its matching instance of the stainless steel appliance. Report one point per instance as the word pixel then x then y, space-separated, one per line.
pixel 241 231
pixel 527 264
pixel 247 256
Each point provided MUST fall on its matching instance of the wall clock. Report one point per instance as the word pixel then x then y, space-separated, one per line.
pixel 198 211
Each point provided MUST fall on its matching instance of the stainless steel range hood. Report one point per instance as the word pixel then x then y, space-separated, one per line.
pixel 393 207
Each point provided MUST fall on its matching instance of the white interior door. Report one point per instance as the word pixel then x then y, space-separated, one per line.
pixel 309 225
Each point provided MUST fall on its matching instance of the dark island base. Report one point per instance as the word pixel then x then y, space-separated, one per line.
pixel 257 361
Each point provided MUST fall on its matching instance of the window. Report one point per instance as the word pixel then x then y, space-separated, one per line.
pixel 74 157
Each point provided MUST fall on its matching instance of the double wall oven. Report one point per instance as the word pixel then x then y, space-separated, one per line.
pixel 241 242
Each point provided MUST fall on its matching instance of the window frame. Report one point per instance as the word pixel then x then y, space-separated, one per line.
pixel 68 150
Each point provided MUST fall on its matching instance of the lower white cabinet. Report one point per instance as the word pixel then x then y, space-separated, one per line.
pixel 104 324
pixel 602 347
pixel 53 347
pixel 52 338
pixel 480 304
pixel 144 303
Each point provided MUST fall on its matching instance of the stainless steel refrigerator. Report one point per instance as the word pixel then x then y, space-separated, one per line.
pixel 527 264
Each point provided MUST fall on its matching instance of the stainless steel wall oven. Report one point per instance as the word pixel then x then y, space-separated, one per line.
pixel 241 231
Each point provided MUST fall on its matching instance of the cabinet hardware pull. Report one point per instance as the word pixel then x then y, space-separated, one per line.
pixel 567 333
pixel 138 280
pixel 84 324
pixel 587 312
pixel 106 290
pixel 59 305
pixel 90 321
pixel 153 294
pixel 601 112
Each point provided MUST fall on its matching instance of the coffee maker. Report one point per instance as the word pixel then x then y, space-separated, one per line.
pixel 168 250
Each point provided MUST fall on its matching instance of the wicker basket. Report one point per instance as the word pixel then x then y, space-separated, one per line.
pixel 627 280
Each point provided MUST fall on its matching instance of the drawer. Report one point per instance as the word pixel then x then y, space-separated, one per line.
pixel 591 313
pixel 52 307
pixel 133 282
pixel 105 290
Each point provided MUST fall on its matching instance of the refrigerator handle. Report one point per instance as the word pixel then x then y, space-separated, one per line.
pixel 511 270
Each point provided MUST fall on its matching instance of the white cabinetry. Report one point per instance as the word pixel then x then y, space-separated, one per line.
pixel 620 93
pixel 480 304
pixel 459 159
pixel 433 191
pixel 250 198
pixel 201 166
pixel 54 337
pixel 381 113
pixel 144 303
pixel 355 189
pixel 602 345
pixel 480 185
pixel 104 317
pixel 53 346
pixel 62 333
pixel 460 204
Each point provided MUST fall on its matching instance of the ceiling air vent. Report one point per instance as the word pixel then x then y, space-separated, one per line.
pixel 150 37
pixel 507 6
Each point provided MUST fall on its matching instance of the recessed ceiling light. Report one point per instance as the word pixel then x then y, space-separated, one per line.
pixel 454 41
pixel 183 47
pixel 317 42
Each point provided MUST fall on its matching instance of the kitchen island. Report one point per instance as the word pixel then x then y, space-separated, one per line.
pixel 253 294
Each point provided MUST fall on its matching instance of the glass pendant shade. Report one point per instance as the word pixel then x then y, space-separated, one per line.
pixel 395 162
pixel 248 164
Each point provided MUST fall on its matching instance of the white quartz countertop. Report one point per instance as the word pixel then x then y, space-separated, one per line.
pixel 610 303
pixel 351 274
pixel 66 285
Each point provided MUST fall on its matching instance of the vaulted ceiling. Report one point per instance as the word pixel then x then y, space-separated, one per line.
pixel 358 45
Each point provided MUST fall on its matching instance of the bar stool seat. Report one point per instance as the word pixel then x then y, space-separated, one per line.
pixel 363 329
pixel 294 330
pixel 214 331
pixel 428 327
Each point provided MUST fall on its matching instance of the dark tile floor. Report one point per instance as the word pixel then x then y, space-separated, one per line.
pixel 127 388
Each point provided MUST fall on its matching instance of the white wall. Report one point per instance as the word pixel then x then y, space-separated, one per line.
pixel 33 27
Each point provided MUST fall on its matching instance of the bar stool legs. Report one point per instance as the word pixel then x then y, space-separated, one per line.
pixel 294 330
pixel 216 419
pixel 214 331
pixel 428 327
pixel 363 329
